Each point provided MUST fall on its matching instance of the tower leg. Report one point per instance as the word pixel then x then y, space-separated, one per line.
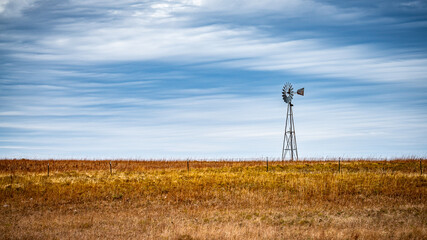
pixel 285 137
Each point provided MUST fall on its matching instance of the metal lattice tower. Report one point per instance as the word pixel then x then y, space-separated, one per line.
pixel 290 147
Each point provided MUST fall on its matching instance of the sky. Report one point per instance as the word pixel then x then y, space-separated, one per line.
pixel 202 79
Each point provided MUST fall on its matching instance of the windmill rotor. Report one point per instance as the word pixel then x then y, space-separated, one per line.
pixel 287 93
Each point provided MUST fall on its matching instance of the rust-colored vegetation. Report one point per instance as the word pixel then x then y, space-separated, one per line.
pixel 213 200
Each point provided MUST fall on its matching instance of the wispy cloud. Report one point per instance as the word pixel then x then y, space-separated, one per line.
pixel 14 8
pixel 137 38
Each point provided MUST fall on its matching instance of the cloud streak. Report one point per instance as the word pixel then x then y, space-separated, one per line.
pixel 138 39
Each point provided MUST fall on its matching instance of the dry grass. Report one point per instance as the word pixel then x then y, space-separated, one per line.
pixel 215 200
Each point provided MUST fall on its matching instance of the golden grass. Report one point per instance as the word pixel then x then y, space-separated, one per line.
pixel 214 200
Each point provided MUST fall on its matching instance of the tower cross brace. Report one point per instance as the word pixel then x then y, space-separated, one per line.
pixel 289 139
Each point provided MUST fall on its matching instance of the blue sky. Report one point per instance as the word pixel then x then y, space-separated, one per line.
pixel 203 78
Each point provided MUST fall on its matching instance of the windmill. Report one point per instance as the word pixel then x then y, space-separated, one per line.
pixel 290 140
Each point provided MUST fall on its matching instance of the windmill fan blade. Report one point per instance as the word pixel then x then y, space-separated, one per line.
pixel 285 98
pixel 300 91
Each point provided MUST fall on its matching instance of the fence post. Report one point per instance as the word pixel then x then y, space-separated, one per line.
pixel 339 165
pixel 111 171
pixel 188 165
pixel 421 166
pixel 48 169
pixel 267 164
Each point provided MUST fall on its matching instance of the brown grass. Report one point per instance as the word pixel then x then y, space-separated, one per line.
pixel 215 200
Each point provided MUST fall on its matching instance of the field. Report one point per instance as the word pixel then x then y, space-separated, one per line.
pixel 355 199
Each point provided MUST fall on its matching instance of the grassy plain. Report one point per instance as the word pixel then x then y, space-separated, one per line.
pixel 214 200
